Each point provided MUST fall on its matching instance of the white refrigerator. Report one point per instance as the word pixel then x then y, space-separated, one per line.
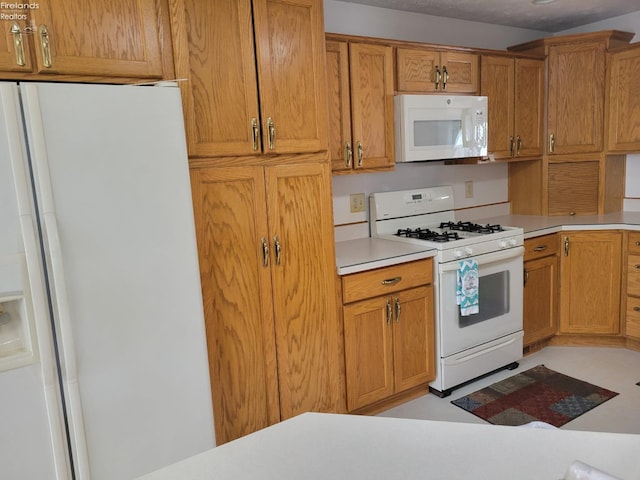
pixel 103 359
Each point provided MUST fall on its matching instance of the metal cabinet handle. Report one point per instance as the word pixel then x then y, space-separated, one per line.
pixel 438 76
pixel 360 153
pixel 45 46
pixel 255 133
pixel 276 246
pixel 265 253
pixel 566 246
pixel 348 155
pixel 637 266
pixel 445 77
pixel 638 244
pixel 391 281
pixel 271 133
pixel 636 309
pixel 552 142
pixel 389 312
pixel 398 310
pixel 540 248
pixel 17 43
pixel 511 146
pixel 525 277
pixel 518 145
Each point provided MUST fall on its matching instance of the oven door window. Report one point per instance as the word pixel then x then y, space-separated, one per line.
pixel 493 299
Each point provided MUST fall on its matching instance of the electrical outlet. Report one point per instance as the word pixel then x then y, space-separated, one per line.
pixel 468 189
pixel 357 202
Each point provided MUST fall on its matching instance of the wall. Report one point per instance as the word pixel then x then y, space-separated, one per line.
pixel 490 181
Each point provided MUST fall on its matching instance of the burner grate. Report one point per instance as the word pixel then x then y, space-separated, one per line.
pixel 426 234
pixel 471 227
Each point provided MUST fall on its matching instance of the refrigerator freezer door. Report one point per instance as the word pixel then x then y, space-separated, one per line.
pixel 32 434
pixel 112 187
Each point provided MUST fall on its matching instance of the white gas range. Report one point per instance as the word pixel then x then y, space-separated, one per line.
pixel 468 345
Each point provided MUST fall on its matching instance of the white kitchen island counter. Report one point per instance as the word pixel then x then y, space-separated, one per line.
pixel 321 446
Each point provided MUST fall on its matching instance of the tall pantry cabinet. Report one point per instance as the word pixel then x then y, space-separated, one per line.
pixel 255 114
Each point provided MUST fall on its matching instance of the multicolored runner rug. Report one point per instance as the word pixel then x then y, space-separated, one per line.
pixel 537 394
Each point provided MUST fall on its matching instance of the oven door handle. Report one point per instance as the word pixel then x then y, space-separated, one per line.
pixel 485 259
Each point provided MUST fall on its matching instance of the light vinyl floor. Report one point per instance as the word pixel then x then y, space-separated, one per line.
pixel 617 369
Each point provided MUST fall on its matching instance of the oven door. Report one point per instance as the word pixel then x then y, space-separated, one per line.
pixel 500 302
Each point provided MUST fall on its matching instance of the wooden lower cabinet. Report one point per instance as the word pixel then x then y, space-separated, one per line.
pixel 632 312
pixel 389 339
pixel 540 288
pixel 590 273
pixel 266 248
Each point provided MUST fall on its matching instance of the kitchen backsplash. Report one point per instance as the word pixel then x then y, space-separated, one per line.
pixel 489 191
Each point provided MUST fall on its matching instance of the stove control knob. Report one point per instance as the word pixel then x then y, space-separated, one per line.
pixel 513 242
pixel 468 251
pixel 457 254
pixel 502 244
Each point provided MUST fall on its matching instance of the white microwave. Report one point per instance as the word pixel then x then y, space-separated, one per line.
pixel 440 127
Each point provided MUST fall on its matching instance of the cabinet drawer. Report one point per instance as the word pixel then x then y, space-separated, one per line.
pixel 541 247
pixel 382 281
pixel 634 242
pixel 633 317
pixel 633 275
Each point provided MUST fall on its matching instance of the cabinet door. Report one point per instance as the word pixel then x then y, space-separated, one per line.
pixel 529 107
pixel 498 86
pixel 15 47
pixel 540 298
pixel 573 188
pixel 214 52
pixel 303 273
pixel 576 97
pixel 624 102
pixel 413 338
pixel 371 73
pixel 416 70
pixel 119 38
pixel 236 290
pixel 460 72
pixel 339 111
pixel 590 273
pixel 368 345
pixel 290 55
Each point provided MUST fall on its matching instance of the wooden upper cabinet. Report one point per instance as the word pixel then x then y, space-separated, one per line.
pixel 576 97
pixel 624 101
pixel 434 71
pixel 119 38
pixel 340 143
pixel 515 91
pixel 360 86
pixel 248 98
pixel 529 107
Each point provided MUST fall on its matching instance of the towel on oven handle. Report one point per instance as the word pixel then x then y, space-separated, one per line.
pixel 467 287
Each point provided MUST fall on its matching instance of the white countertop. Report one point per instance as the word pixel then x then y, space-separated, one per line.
pixel 368 253
pixel 535 225
pixel 320 446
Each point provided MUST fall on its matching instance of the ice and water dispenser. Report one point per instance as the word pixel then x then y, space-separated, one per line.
pixel 17 330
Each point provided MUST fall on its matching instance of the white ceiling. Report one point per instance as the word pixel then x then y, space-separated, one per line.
pixel 553 17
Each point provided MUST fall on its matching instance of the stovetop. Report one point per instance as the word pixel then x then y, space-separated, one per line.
pixel 426 217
